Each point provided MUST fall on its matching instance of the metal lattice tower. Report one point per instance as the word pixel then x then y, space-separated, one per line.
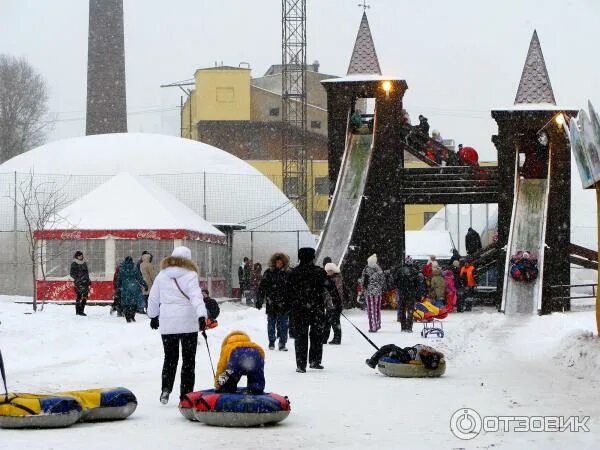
pixel 293 89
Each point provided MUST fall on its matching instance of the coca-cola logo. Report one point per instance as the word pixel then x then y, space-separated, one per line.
pixel 147 235
pixel 70 235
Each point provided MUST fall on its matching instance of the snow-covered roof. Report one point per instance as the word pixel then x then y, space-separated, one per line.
pixel 131 203
pixel 422 244
pixel 357 78
pixel 139 153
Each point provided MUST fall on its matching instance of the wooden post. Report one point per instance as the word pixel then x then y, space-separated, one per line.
pixel 598 231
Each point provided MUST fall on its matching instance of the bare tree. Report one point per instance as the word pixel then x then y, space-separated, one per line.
pixel 23 107
pixel 39 203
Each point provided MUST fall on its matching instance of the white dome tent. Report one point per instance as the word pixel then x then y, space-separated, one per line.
pixel 106 239
pixel 218 186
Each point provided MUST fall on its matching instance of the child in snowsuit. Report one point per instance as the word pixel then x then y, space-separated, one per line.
pixel 212 309
pixel 240 356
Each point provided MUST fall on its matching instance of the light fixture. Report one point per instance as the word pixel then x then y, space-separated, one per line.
pixel 387 87
pixel 560 119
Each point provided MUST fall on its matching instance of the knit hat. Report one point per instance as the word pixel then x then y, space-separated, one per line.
pixel 306 254
pixel 408 261
pixel 182 252
pixel 372 260
pixel 456 263
pixel 331 267
pixel 77 254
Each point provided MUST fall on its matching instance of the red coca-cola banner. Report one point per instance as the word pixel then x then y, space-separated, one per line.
pixel 128 234
pixel 100 291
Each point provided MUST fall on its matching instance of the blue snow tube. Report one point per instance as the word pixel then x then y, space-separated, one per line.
pixel 238 409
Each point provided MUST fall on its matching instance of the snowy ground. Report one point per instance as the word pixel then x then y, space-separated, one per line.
pixel 534 366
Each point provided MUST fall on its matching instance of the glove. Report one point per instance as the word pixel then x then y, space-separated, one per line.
pixel 154 323
pixel 202 323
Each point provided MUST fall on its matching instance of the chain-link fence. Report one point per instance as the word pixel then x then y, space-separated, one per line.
pixel 271 221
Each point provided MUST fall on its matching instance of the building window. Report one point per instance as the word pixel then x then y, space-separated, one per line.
pixel 319 219
pixel 274 112
pixel 291 187
pixel 225 95
pixel 315 124
pixel 427 216
pixel 322 185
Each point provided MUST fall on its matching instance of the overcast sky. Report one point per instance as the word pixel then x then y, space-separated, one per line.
pixel 460 58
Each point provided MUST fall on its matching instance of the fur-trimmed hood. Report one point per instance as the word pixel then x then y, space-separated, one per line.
pixel 282 256
pixel 175 261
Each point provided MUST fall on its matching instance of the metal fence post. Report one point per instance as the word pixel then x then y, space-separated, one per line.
pixel 15 238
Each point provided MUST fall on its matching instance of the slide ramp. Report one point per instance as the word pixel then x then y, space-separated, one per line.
pixel 347 197
pixel 528 233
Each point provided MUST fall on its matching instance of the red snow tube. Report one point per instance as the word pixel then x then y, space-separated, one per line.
pixel 469 156
pixel 237 409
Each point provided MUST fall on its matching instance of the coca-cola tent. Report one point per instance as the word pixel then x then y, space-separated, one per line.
pixel 124 217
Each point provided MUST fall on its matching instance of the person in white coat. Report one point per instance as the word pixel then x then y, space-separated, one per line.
pixel 176 298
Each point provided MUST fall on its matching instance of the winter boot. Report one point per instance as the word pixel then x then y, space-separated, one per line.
pixel 164 397
pixel 316 366
pixel 283 348
pixel 271 346
pixel 372 364
pixel 300 370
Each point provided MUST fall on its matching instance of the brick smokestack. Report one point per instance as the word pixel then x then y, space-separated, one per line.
pixel 106 93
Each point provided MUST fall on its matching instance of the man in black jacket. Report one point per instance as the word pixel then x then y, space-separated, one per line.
pixel 81 278
pixel 472 241
pixel 307 283
pixel 406 280
pixel 273 291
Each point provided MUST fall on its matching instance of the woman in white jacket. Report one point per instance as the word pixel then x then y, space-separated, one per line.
pixel 176 297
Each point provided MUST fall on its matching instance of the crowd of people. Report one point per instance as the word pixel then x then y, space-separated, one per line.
pixel 304 302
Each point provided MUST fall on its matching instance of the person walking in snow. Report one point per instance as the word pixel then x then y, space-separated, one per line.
pixel 335 299
pixel 244 273
pixel 81 279
pixel 451 295
pixel 406 279
pixel 176 299
pixel 255 279
pixel 438 285
pixel 472 241
pixel 373 282
pixel 148 274
pixel 307 283
pixel 273 292
pixel 130 285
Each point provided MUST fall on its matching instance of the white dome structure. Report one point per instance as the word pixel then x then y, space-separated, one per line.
pixel 218 186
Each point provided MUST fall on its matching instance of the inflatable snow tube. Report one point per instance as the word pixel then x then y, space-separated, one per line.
pixel 236 409
pixel 38 411
pixel 415 369
pixel 105 404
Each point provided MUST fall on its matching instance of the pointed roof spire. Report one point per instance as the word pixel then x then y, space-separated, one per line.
pixel 364 57
pixel 535 84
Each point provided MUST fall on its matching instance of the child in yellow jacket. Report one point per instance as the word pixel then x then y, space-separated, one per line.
pixel 240 356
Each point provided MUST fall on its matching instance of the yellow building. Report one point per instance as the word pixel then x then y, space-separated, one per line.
pixel 220 93
pixel 229 109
